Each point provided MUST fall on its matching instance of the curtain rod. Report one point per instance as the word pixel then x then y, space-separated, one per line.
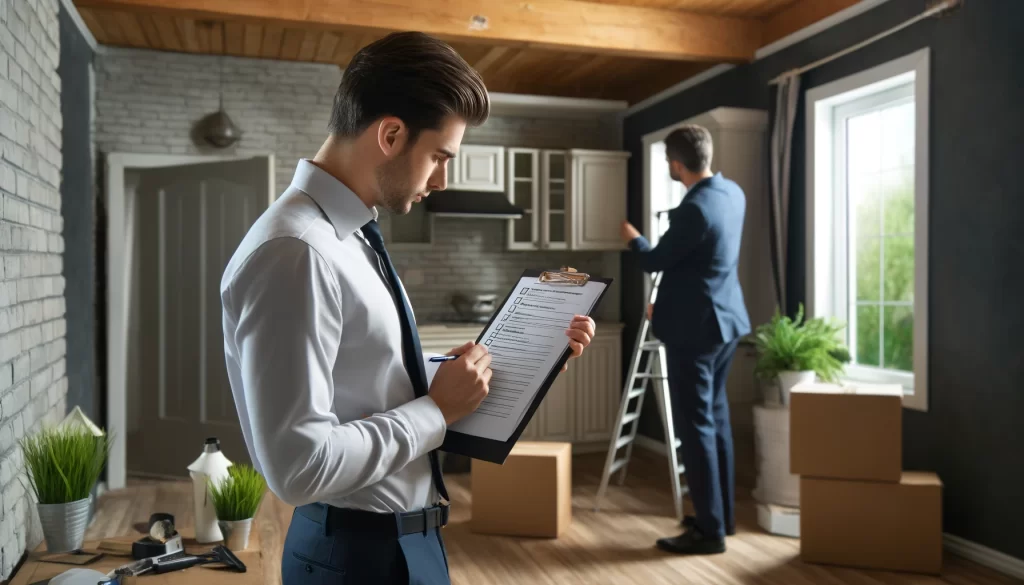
pixel 936 9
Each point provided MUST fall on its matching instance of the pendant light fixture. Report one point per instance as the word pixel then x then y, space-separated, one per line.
pixel 217 129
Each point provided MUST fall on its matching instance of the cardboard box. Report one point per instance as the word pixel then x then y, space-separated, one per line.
pixel 873 525
pixel 847 432
pixel 530 495
pixel 779 520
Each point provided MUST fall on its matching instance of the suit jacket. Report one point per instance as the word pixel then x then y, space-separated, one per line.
pixel 700 302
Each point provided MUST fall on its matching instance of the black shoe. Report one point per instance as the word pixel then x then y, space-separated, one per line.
pixel 691 522
pixel 692 542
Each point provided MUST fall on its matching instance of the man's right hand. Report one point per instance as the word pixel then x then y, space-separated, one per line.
pixel 460 385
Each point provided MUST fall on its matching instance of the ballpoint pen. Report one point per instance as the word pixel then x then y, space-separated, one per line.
pixel 443 358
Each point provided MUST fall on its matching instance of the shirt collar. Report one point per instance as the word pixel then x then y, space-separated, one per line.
pixel 344 209
pixel 713 178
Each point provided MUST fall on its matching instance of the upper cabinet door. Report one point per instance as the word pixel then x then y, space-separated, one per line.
pixel 555 219
pixel 478 168
pixel 524 192
pixel 598 204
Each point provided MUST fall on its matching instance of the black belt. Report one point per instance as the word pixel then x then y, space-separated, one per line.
pixel 398 523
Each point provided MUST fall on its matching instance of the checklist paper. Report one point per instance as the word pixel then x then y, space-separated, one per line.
pixel 526 339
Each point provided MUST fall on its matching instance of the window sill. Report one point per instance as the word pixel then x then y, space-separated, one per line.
pixel 860 375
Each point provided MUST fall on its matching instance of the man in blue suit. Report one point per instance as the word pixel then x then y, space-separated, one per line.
pixel 699 315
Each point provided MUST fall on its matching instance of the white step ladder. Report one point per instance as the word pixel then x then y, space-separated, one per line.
pixel 655 375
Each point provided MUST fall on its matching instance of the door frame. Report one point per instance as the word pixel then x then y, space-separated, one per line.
pixel 119 255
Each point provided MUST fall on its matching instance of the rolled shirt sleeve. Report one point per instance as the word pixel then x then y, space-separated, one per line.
pixel 287 308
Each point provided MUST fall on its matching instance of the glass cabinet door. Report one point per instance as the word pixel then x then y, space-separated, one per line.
pixel 523 192
pixel 554 224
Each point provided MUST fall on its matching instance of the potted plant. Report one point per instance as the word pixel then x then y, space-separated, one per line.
pixel 793 351
pixel 236 499
pixel 63 464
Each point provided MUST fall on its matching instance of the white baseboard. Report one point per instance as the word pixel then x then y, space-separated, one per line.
pixel 956 545
pixel 984 556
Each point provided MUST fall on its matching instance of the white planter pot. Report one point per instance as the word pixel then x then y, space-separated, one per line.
pixel 236 533
pixel 787 380
pixel 64 524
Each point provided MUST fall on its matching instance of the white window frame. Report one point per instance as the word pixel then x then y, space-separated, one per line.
pixel 826 277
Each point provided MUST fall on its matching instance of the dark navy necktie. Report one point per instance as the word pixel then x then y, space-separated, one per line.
pixel 411 350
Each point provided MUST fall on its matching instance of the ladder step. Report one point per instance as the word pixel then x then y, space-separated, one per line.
pixel 629 418
pixel 652 376
pixel 619 464
pixel 623 441
pixel 650 346
pixel 635 392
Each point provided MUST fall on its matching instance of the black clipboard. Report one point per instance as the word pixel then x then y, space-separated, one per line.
pixel 497 451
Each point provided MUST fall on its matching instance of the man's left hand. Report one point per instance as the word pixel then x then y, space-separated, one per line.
pixel 580 332
pixel 629 233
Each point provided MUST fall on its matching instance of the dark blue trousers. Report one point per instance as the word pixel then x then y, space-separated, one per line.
pixel 700 410
pixel 365 549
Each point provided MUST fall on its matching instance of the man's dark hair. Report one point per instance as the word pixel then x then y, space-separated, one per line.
pixel 412 76
pixel 690 145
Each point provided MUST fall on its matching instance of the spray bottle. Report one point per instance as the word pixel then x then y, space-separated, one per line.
pixel 211 467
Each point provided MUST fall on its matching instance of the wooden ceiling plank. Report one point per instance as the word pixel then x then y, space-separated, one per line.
pixel 309 44
pixel 489 59
pixel 217 39
pixel 93 22
pixel 348 44
pixel 798 15
pixel 203 33
pixel 272 37
pixel 253 40
pixel 189 36
pixel 149 29
pixel 168 32
pixel 131 30
pixel 292 43
pixel 325 52
pixel 234 38
pixel 558 24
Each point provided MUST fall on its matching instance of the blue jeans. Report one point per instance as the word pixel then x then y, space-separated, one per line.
pixel 700 415
pixel 368 550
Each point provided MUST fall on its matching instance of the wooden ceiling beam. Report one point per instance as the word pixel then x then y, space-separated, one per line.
pixel 556 24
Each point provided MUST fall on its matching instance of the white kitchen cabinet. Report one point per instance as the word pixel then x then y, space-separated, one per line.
pixel 477 167
pixel 574 199
pixel 582 403
pixel 598 204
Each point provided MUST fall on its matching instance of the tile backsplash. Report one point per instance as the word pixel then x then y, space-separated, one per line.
pixel 469 255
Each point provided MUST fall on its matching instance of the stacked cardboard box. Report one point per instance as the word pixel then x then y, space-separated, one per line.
pixel 858 507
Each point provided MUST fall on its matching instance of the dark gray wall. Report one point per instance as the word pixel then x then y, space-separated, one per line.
pixel 976 237
pixel 78 208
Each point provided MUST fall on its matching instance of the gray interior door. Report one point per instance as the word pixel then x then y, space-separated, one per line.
pixel 190 220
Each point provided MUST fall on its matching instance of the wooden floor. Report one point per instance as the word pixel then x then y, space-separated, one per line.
pixel 614 546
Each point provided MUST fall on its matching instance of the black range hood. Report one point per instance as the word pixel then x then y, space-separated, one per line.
pixel 474 204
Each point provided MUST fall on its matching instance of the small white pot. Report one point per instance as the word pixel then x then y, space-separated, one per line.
pixel 787 380
pixel 64 524
pixel 236 533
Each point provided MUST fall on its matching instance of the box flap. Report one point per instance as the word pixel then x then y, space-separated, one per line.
pixel 920 478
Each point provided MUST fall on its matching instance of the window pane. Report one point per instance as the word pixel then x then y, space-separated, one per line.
pixel 898 136
pixel 863 143
pixel 867 323
pixel 524 229
pixel 556 196
pixel 524 195
pixel 864 201
pixel 897 188
pixel 899 338
pixel 899 268
pixel 523 164
pixel 869 271
pixel 556 166
pixel 556 229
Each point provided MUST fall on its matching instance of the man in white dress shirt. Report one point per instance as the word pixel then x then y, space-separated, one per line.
pixel 340 409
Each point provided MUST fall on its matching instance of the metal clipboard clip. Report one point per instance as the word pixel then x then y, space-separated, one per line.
pixel 567 275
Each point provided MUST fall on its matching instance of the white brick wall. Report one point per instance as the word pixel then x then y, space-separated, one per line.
pixel 148 102
pixel 33 385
